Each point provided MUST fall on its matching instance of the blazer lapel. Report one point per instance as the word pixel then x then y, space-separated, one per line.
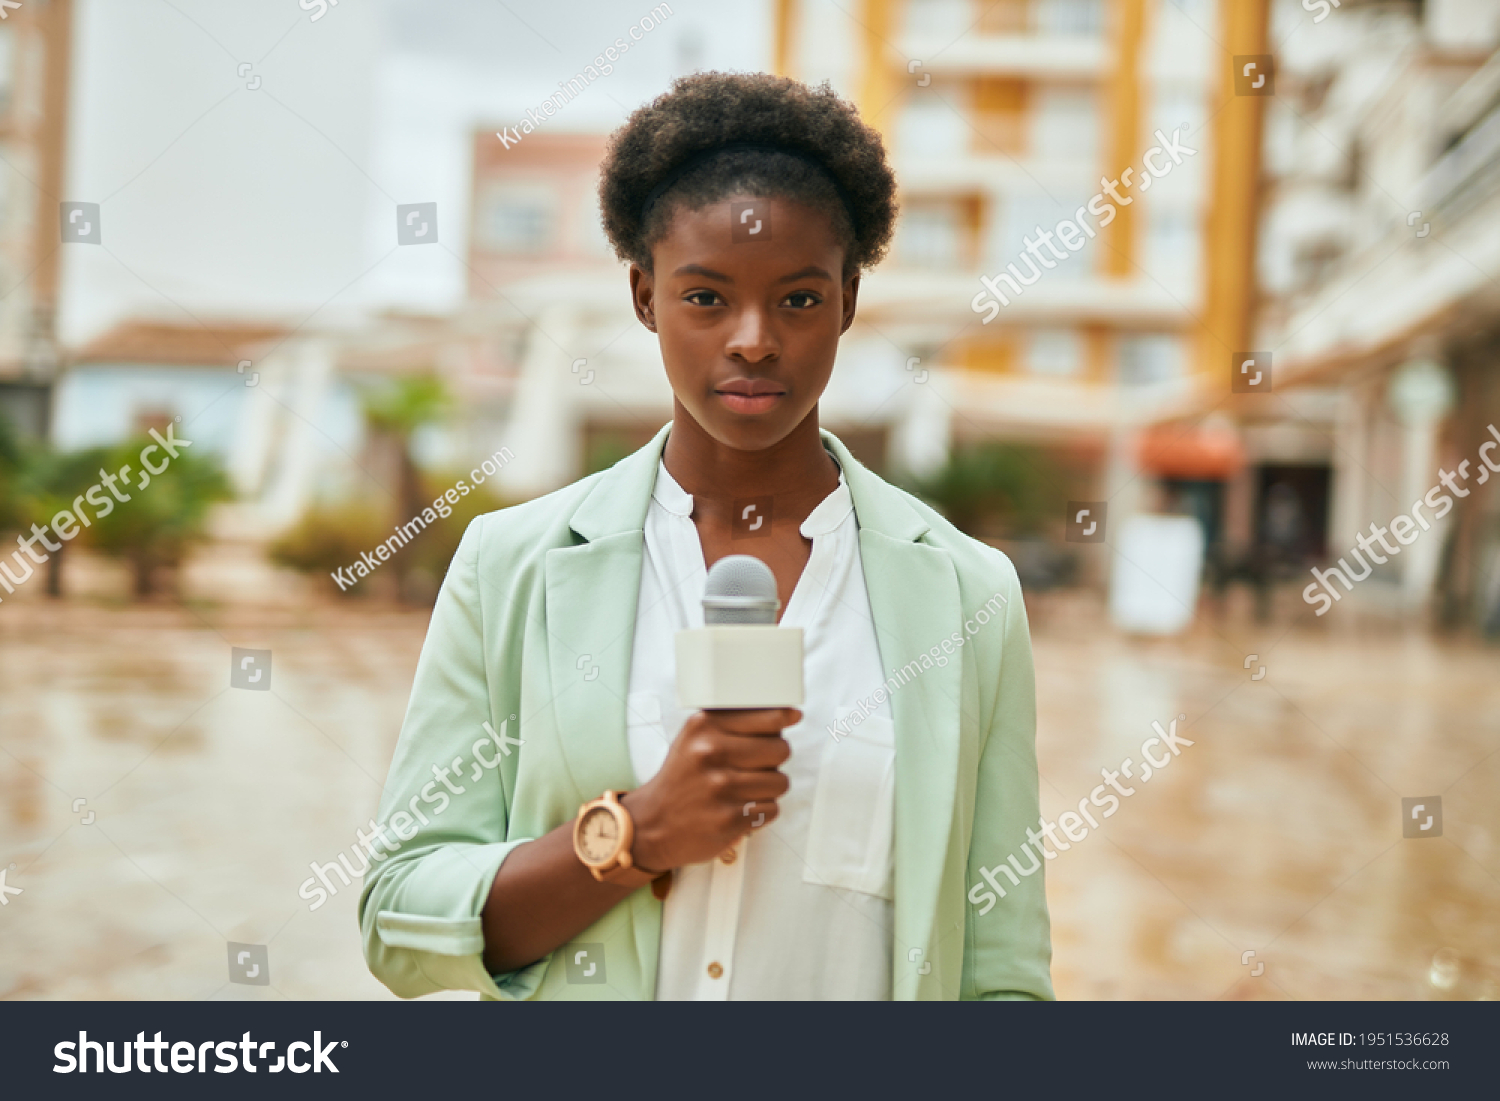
pixel 591 602
pixel 914 598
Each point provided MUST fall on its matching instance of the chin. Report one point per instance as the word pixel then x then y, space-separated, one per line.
pixel 746 433
pixel 756 436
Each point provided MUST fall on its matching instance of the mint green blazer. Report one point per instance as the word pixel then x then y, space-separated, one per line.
pixel 532 635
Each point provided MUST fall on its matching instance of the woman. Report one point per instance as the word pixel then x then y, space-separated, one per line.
pixel 825 852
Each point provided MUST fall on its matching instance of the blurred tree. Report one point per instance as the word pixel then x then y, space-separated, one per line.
pixel 998 489
pixel 394 412
pixel 161 520
pixel 10 465
pixel 431 551
pixel 47 483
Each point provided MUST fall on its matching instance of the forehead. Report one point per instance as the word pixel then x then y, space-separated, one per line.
pixel 751 230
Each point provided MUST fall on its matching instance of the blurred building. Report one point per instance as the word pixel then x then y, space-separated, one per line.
pixel 586 380
pixel 1006 120
pixel 1380 240
pixel 35 48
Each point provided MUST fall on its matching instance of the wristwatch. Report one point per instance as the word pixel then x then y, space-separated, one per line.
pixel 602 837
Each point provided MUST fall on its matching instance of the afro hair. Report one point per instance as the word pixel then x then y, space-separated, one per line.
pixel 836 163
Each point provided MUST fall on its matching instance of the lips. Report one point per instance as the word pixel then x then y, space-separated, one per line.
pixel 750 395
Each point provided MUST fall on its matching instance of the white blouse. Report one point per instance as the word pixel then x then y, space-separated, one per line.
pixel 801 908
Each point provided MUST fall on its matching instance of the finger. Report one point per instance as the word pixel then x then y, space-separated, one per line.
pixel 745 752
pixel 754 721
pixel 761 785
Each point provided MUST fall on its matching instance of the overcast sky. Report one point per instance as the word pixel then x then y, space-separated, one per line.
pixel 272 193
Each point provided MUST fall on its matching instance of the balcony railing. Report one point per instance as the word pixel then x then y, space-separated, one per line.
pixel 1035 56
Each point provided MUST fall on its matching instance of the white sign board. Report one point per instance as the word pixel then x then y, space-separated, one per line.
pixel 1154 584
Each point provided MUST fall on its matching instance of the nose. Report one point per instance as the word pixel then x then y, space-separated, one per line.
pixel 752 338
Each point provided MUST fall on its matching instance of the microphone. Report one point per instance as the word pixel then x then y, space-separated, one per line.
pixel 741 658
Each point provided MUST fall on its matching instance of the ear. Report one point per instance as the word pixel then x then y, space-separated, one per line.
pixel 851 300
pixel 643 296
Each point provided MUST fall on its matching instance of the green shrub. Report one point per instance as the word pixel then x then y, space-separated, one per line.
pixel 330 538
pixel 1000 489
pixel 162 519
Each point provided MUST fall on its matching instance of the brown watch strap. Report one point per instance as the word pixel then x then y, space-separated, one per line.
pixel 626 875
pixel 634 878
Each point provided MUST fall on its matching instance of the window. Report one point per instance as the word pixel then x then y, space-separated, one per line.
pixel 938 18
pixel 1149 358
pixel 1020 219
pixel 1070 17
pixel 1173 248
pixel 934 127
pixel 929 236
pixel 1180 109
pixel 1055 352
pixel 1065 124
pixel 518 219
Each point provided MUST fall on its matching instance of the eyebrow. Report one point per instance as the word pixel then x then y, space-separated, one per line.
pixel 811 271
pixel 707 273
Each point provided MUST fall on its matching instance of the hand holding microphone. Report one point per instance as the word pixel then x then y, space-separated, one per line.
pixel 722 772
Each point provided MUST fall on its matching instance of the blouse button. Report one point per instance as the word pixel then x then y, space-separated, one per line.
pixel 715 971
pixel 728 856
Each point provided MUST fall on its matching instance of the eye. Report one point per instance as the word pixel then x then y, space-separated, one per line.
pixel 702 298
pixel 801 300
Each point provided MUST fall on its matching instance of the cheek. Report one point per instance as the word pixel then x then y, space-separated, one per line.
pixel 688 354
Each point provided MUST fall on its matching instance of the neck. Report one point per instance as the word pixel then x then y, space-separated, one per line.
pixel 797 470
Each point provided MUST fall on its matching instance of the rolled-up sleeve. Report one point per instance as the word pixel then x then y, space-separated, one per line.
pixel 1008 940
pixel 421 905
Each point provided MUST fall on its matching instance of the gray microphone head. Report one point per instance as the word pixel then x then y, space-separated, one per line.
pixel 740 589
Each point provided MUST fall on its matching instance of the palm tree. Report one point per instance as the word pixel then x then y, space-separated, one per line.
pixel 394 413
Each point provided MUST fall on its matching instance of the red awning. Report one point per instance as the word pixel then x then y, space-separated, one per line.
pixel 1197 452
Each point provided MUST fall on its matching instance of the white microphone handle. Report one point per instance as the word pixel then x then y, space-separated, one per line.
pixel 739 665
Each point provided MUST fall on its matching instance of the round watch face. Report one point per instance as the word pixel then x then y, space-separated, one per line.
pixel 598 835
